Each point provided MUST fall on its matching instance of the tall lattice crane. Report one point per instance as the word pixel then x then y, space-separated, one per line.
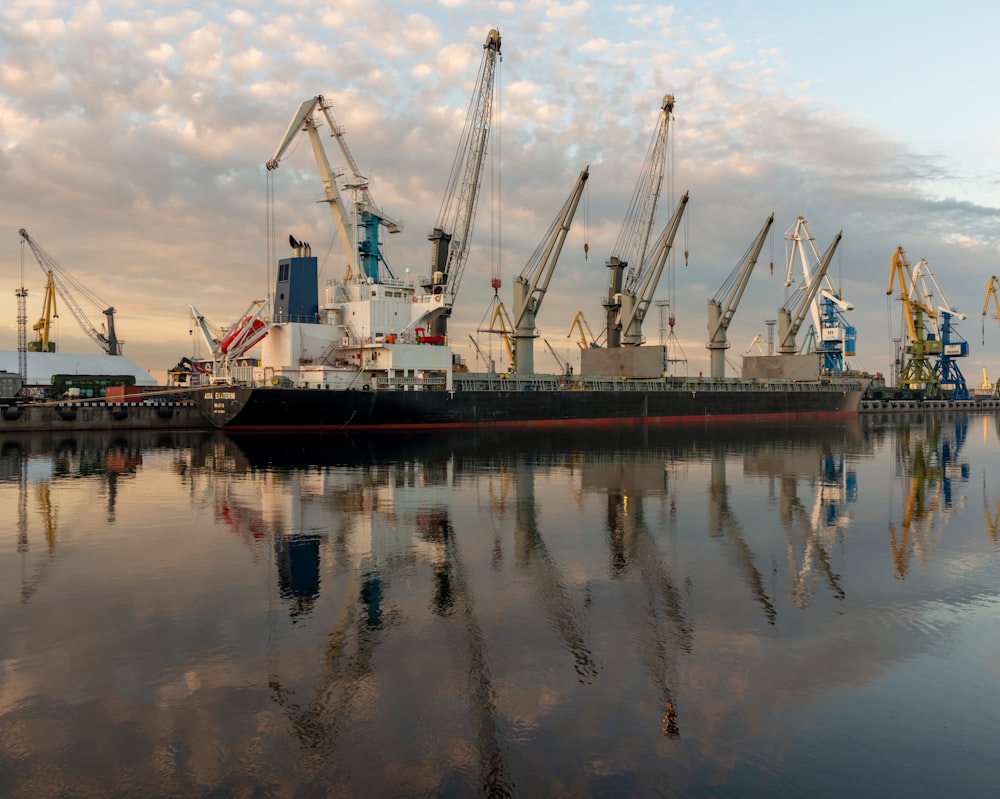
pixel 69 288
pixel 362 249
pixel 632 247
pixel 531 285
pixel 452 232
pixel 833 336
pixel 719 315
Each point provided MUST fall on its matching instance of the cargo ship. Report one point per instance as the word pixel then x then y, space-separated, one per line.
pixel 374 351
pixel 536 401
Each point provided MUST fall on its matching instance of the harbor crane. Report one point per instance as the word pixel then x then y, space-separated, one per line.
pixel 992 292
pixel 631 248
pixel 635 302
pixel 793 312
pixel 579 323
pixel 833 337
pixel 952 381
pixel 530 286
pixel 68 288
pixel 916 373
pixel 722 307
pixel 452 233
pixel 43 327
pixel 369 217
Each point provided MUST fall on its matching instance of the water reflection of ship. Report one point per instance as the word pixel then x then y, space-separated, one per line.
pixel 927 451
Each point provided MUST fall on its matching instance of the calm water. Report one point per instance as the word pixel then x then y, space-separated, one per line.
pixel 735 611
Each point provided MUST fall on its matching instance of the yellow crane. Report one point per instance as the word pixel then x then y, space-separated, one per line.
pixel 992 291
pixel 43 327
pixel 579 323
pixel 917 372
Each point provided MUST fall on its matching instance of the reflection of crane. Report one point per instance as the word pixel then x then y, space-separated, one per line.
pixel 631 248
pixel 723 522
pixel 530 286
pixel 634 548
pixel 369 217
pixel 815 554
pixel 916 373
pixel 928 462
pixel 69 288
pixel 793 312
pixel 452 233
pixel 950 377
pixel 832 338
pixel 534 555
pixel 587 341
pixel 719 316
pixel 638 296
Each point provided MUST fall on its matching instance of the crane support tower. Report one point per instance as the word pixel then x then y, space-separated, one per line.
pixel 68 287
pixel 452 234
pixel 834 337
pixel 530 286
pixel 722 307
pixel 632 247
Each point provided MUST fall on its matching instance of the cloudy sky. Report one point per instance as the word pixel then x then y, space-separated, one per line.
pixel 133 139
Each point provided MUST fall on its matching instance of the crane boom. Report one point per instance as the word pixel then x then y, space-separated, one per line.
pixel 722 307
pixel 452 233
pixel 792 314
pixel 64 282
pixel 917 372
pixel 635 304
pixel 632 247
pixel 530 286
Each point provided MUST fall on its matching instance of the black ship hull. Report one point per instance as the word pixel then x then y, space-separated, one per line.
pixel 243 408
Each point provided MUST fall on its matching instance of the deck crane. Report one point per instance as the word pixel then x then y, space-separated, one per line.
pixel 952 381
pixel 67 286
pixel 793 312
pixel 834 337
pixel 530 286
pixel 564 367
pixel 240 337
pixel 452 233
pixel 731 293
pixel 369 217
pixel 631 248
pixel 635 301
pixel 579 323
pixel 916 373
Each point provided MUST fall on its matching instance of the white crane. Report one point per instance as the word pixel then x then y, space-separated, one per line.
pixel 368 216
pixel 731 293
pixel 531 285
pixel 635 302
pixel 632 247
pixel 452 233
pixel 835 338
pixel 793 312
